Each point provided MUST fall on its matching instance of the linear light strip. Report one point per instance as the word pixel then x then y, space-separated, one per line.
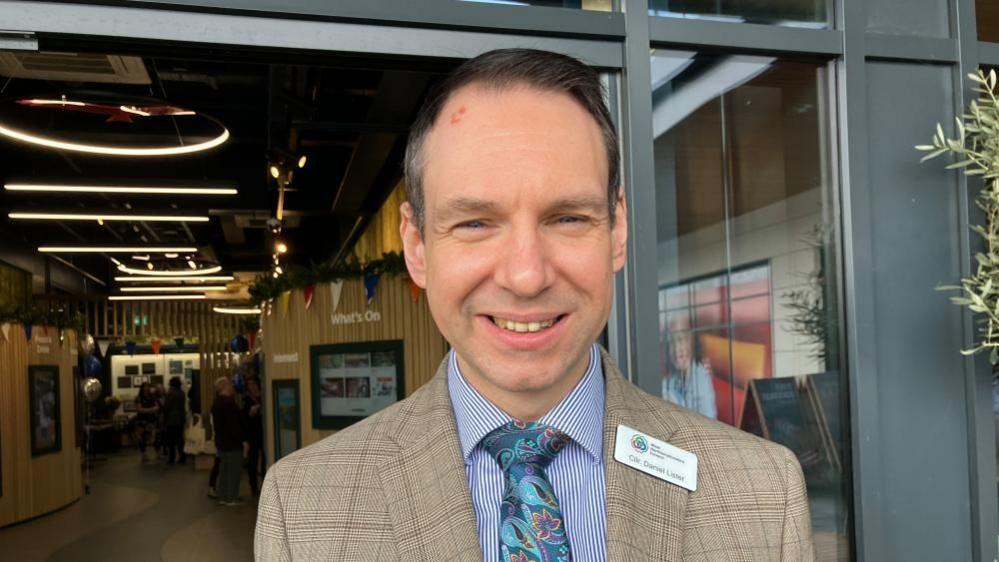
pixel 115 249
pixel 106 217
pixel 172 272
pixel 174 278
pixel 233 310
pixel 179 289
pixel 114 150
pixel 156 297
pixel 128 189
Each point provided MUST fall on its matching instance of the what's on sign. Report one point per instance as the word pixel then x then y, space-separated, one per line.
pixel 343 318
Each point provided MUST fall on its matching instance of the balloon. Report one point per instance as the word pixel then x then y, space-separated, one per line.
pixel 130 347
pixel 92 366
pixel 239 344
pixel 91 389
pixel 87 345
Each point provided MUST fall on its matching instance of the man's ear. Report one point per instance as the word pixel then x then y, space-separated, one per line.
pixel 619 234
pixel 412 245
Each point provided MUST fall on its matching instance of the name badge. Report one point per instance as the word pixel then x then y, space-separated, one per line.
pixel 657 458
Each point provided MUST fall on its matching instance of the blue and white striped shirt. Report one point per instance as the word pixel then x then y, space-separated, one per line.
pixel 576 474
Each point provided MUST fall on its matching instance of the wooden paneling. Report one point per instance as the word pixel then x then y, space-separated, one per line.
pixel 298 329
pixel 15 287
pixel 34 486
pixel 382 233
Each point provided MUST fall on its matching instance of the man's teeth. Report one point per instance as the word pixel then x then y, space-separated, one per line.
pixel 523 326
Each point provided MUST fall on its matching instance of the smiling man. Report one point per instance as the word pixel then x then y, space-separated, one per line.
pixel 529 444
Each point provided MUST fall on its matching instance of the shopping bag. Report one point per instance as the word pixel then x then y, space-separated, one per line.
pixel 194 437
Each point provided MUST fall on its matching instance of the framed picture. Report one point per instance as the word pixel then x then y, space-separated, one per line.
pixel 131 369
pixel 43 391
pixel 124 382
pixel 175 367
pixel 354 380
pixel 128 405
pixel 148 368
pixel 287 417
pixel 156 379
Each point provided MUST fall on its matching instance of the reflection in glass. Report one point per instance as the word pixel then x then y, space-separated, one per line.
pixel 746 260
pixel 987 14
pixel 797 13
pixel 594 5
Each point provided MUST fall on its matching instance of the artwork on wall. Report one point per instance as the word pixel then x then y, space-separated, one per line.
pixel 124 382
pixel 287 418
pixel 131 369
pixel 148 368
pixel 156 380
pixel 354 380
pixel 43 391
pixel 176 367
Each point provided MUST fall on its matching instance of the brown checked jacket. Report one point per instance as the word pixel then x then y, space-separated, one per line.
pixel 393 487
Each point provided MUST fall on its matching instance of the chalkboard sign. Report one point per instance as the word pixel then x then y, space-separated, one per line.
pixel 824 391
pixel 774 411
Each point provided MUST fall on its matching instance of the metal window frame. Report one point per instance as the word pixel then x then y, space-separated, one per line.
pixel 619 42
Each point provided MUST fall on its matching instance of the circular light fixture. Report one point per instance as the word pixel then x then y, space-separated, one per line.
pixel 171 272
pixel 281 247
pixel 156 297
pixel 178 289
pixel 235 310
pixel 149 265
pixel 275 172
pixel 301 161
pixel 103 106
pixel 165 278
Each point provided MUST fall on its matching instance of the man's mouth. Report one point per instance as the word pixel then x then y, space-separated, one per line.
pixel 525 327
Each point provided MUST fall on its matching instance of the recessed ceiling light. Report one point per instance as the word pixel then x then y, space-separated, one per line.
pixel 149 265
pixel 301 161
pixel 106 217
pixel 114 250
pixel 275 172
pixel 171 272
pixel 156 297
pixel 191 264
pixel 281 247
pixel 123 189
pixel 172 255
pixel 141 258
pixel 163 278
pixel 235 310
pixel 178 288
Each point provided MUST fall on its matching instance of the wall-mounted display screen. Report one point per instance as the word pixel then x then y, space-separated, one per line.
pixel 352 381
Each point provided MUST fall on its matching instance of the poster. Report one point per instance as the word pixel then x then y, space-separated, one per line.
pixel 353 381
pixel 175 367
pixel 43 390
pixel 287 431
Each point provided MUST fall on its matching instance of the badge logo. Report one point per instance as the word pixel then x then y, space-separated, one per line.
pixel 639 443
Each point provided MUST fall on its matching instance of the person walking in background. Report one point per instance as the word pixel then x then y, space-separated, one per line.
pixel 174 417
pixel 230 441
pixel 147 413
pixel 687 382
pixel 252 407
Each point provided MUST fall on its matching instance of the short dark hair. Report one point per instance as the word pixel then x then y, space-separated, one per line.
pixel 500 70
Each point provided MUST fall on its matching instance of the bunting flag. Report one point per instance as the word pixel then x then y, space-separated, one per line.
pixel 370 283
pixel 130 347
pixel 283 303
pixel 27 330
pixel 103 345
pixel 308 292
pixel 252 337
pixel 336 288
pixel 155 344
pixel 414 290
pixel 5 329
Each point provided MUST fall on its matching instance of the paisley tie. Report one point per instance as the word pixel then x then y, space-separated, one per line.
pixel 532 528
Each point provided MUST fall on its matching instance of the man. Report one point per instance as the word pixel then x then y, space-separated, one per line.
pixel 252 405
pixel 229 429
pixel 516 224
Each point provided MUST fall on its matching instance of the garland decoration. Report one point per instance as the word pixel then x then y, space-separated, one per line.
pixel 266 287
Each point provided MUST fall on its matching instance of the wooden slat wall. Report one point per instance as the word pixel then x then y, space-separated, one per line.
pixel 34 486
pixel 401 319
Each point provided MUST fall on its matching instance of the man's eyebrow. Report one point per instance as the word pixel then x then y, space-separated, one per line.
pixel 593 204
pixel 463 206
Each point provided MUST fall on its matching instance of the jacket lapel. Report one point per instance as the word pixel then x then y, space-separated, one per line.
pixel 645 515
pixel 426 488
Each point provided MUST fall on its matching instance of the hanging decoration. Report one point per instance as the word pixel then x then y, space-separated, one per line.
pixel 239 344
pixel 155 344
pixel 27 330
pixel 92 366
pixel 370 284
pixel 130 347
pixel 308 292
pixel 179 342
pixel 336 289
pixel 102 346
pixel 267 287
pixel 5 329
pixel 414 291
pixel 252 337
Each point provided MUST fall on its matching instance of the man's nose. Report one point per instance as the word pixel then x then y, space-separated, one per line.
pixel 525 267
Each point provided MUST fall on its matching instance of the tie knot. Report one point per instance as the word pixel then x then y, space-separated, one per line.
pixel 524 443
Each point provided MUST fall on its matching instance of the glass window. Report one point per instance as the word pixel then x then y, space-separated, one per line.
pixel 987 14
pixel 798 13
pixel 747 260
pixel 594 5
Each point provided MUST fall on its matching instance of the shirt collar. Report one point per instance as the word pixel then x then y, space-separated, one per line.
pixel 580 414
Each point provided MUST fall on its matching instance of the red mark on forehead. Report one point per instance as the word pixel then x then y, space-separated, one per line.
pixel 456 116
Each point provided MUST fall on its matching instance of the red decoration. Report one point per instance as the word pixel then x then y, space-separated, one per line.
pixel 308 292
pixel 155 344
pixel 252 336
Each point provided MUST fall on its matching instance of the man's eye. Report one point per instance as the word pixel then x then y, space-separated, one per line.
pixel 471 224
pixel 570 219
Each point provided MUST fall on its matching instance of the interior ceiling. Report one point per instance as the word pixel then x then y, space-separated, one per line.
pixel 349 116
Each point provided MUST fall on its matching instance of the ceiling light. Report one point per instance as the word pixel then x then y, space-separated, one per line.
pixel 234 310
pixel 275 274
pixel 275 172
pixel 149 265
pixel 37 101
pixel 178 288
pixel 168 272
pixel 278 270
pixel 114 250
pixel 116 262
pixel 301 161
pixel 115 150
pixel 171 255
pixel 154 190
pixel 106 217
pixel 192 264
pixel 156 297
pixel 160 279
pixel 281 247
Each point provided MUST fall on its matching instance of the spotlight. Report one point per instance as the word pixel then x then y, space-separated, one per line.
pixel 301 161
pixel 149 265
pixel 275 172
pixel 281 247
pixel 191 264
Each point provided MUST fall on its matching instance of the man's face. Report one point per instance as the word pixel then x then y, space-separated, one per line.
pixel 518 253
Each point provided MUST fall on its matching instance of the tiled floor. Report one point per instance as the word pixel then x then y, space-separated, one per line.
pixel 138 512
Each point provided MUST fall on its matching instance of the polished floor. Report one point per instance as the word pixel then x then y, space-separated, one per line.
pixel 139 512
